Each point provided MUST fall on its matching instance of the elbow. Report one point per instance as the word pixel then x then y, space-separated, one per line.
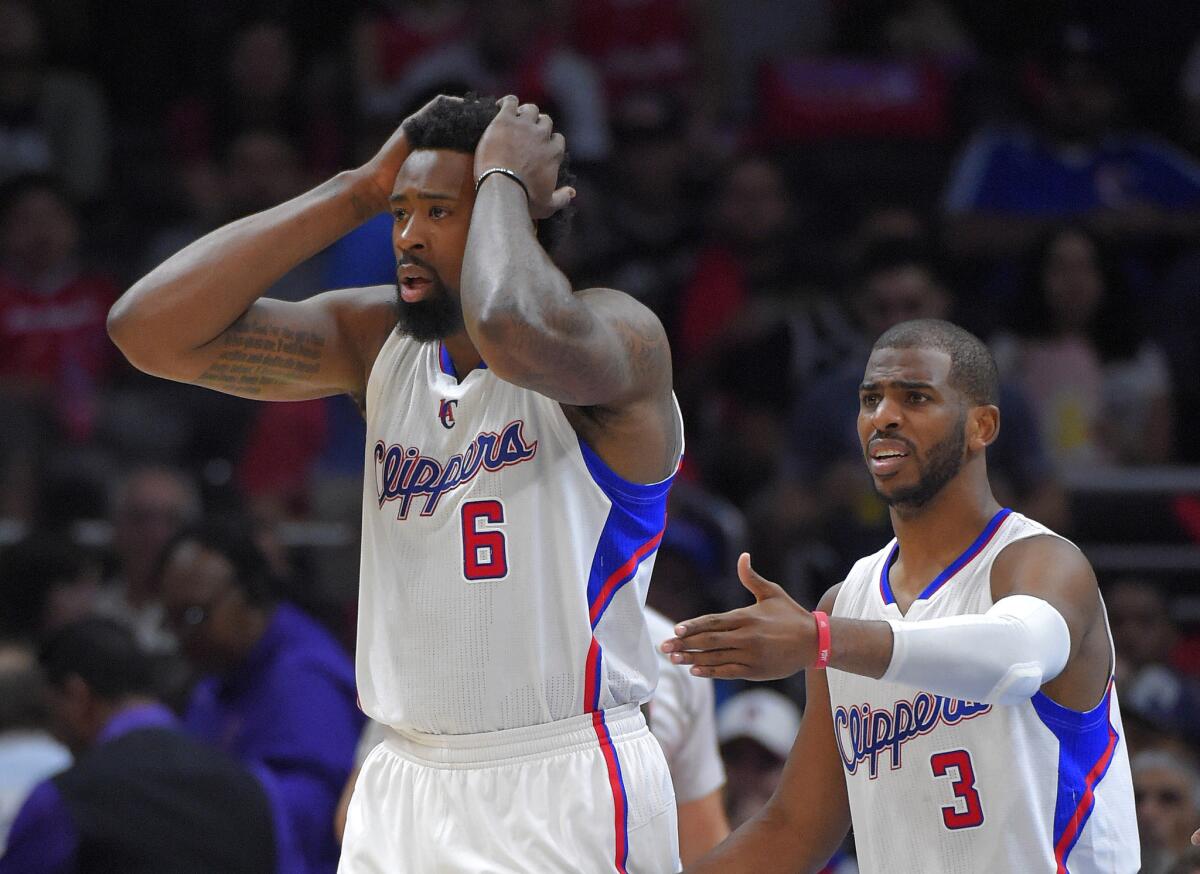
pixel 127 335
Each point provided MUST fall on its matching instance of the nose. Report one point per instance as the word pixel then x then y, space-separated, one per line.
pixel 409 234
pixel 886 416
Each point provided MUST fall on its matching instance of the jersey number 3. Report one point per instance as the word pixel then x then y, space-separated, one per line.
pixel 484 553
pixel 963 786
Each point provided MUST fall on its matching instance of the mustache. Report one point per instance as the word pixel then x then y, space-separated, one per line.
pixel 877 436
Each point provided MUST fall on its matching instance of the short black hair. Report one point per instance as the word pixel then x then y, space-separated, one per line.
pixel 458 127
pixel 101 652
pixel 972 367
pixel 232 538
pixel 30 570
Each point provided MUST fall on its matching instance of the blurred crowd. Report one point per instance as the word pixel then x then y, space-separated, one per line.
pixel 780 181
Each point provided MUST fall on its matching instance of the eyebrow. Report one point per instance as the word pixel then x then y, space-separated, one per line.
pixel 424 195
pixel 898 383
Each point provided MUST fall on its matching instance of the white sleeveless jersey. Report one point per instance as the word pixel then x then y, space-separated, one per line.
pixel 504 565
pixel 938 784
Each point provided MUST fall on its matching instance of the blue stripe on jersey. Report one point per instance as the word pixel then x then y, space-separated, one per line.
pixel 447 363
pixel 976 547
pixel 1086 742
pixel 636 516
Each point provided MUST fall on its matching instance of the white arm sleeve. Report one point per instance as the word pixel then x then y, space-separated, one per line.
pixel 1000 657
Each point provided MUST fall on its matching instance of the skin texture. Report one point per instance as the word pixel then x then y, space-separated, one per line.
pixel 908 401
pixel 199 316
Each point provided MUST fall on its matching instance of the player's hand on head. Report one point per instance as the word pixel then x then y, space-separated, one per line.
pixel 522 139
pixel 772 638
pixel 386 163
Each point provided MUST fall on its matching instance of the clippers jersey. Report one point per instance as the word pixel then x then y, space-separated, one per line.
pixel 939 784
pixel 504 565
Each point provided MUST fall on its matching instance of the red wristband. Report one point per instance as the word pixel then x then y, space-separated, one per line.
pixel 822 640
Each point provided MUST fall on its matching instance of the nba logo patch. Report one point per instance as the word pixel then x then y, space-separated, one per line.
pixel 446 412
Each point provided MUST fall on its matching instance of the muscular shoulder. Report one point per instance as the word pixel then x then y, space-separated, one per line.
pixel 641 331
pixel 1040 565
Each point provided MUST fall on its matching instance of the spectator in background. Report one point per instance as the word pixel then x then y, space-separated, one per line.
pixel 750 330
pixel 756 729
pixel 1144 633
pixel 279 692
pixel 52 310
pixel 141 795
pixel 1071 162
pixel 513 48
pixel 1166 789
pixel 28 752
pixel 650 228
pixel 1100 388
pixel 150 507
pixel 51 121
pixel 392 35
pixel 263 88
pixel 46 582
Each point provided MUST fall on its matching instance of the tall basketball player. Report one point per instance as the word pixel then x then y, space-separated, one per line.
pixel 968 719
pixel 521 440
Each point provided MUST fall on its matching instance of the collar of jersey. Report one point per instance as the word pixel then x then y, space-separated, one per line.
pixel 976 547
pixel 447 363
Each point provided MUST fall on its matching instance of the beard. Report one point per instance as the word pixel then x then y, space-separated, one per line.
pixel 435 318
pixel 942 463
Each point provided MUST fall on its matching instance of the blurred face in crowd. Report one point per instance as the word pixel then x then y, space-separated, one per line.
pixel 431 202
pixel 154 505
pixel 911 424
pixel 755 206
pixel 897 294
pixel 39 234
pixel 1079 103
pixel 1141 625
pixel 1072 280
pixel 204 606
pixel 262 62
pixel 752 775
pixel 262 170
pixel 1166 810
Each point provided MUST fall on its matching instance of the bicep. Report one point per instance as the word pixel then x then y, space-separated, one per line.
pixel 606 350
pixel 286 351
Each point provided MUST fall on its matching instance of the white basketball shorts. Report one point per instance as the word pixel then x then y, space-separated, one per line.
pixel 587 794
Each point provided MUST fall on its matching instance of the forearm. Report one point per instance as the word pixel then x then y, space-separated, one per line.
pixel 767 843
pixel 513 296
pixel 193 296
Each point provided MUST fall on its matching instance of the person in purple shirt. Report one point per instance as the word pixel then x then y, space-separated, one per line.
pixel 279 692
pixel 140 796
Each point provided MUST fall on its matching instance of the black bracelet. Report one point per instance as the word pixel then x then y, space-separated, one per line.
pixel 511 174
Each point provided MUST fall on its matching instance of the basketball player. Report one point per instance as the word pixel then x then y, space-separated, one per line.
pixel 968 719
pixel 521 440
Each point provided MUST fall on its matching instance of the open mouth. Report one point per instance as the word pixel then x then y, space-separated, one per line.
pixel 415 285
pixel 886 456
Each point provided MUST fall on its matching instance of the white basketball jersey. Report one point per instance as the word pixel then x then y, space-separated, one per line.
pixel 504 565
pixel 939 784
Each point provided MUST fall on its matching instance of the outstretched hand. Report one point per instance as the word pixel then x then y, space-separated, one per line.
pixel 522 139
pixel 772 638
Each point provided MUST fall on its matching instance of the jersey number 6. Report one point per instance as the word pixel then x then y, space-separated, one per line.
pixel 484 554
pixel 963 786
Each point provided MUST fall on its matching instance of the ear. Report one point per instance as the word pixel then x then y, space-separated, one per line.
pixel 983 427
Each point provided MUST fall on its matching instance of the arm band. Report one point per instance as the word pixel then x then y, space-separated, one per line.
pixel 1000 657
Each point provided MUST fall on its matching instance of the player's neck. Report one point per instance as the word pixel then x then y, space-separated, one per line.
pixel 932 536
pixel 462 352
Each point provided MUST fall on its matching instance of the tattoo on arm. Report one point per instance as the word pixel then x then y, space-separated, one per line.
pixel 256 356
